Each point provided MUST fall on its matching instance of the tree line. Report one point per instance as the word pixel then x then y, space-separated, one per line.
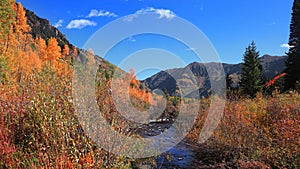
pixel 252 80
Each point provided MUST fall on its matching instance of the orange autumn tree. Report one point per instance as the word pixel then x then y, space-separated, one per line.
pixel 21 28
pixel 53 52
pixel 55 57
pixel 66 50
pixel 41 48
pixel 138 96
pixel 22 60
pixel 21 56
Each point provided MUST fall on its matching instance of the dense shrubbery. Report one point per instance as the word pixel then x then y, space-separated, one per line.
pixel 263 129
pixel 39 127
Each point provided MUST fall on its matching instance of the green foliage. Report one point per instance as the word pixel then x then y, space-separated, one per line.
pixel 293 61
pixel 175 100
pixel 251 81
pixel 4 71
pixel 6 15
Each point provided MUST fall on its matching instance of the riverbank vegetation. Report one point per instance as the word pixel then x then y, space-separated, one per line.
pixel 39 127
pixel 263 131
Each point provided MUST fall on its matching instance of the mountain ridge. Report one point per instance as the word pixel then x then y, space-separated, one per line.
pixel 41 27
pixel 272 65
pixel 163 80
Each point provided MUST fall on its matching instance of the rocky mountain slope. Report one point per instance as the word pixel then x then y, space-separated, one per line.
pixel 272 65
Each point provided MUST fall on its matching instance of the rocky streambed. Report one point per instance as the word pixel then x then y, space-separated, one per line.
pixel 187 154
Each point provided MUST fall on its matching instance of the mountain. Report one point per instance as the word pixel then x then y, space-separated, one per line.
pixel 42 28
pixel 272 65
pixel 164 80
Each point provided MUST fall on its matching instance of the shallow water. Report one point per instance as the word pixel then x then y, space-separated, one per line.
pixel 180 156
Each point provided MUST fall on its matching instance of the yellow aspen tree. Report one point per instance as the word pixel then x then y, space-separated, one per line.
pixel 34 62
pixel 53 52
pixel 41 48
pixel 20 43
pixel 66 50
pixel 21 28
pixel 20 65
pixel 66 53
pixel 29 65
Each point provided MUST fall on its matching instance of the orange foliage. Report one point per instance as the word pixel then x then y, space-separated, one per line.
pixel 264 129
pixel 87 160
pixel 53 52
pixel 66 50
pixel 36 114
pixel 272 82
pixel 21 28
pixel 41 48
pixel 136 92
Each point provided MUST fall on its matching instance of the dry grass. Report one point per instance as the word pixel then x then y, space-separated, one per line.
pixel 264 130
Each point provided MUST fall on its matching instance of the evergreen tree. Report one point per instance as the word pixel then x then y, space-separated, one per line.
pixel 251 81
pixel 293 62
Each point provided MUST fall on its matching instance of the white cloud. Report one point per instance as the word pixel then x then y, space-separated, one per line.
pixel 58 23
pixel 142 11
pixel 286 46
pixel 167 13
pixel 103 13
pixel 80 23
pixel 163 13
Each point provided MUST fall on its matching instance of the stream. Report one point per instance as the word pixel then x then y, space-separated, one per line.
pixel 183 155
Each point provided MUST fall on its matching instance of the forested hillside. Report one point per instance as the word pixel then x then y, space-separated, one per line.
pixel 42 127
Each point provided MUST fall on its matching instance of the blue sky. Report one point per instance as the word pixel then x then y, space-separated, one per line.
pixel 230 25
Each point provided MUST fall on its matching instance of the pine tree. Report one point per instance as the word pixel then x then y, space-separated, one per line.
pixel 251 81
pixel 293 62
